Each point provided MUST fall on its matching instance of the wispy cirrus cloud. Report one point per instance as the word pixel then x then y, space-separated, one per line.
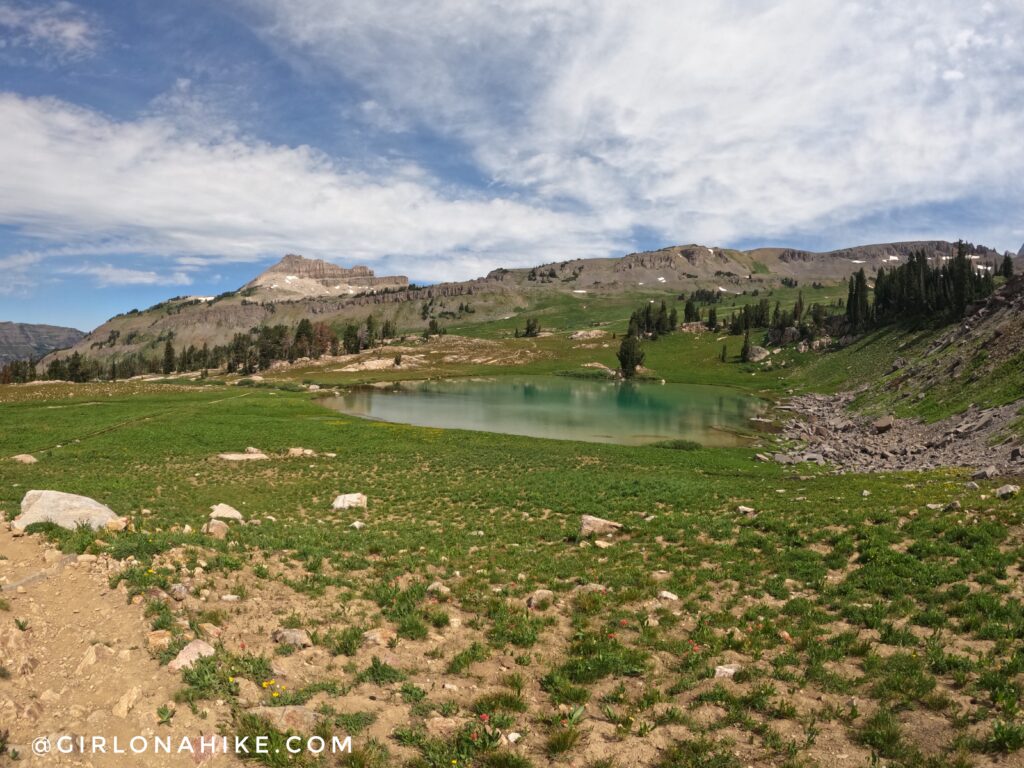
pixel 60 29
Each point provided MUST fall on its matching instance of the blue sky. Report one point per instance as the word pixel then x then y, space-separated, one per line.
pixel 158 149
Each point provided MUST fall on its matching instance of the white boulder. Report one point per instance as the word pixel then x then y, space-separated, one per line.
pixel 349 501
pixel 64 509
pixel 225 512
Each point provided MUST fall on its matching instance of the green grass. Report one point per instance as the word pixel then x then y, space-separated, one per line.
pixel 882 599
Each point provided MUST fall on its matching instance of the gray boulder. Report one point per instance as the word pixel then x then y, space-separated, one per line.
pixel 64 509
pixel 757 354
pixel 1007 491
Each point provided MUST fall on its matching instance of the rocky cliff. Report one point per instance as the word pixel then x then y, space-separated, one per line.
pixel 296 276
pixel 22 341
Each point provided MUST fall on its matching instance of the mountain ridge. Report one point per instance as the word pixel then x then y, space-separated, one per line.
pixel 502 292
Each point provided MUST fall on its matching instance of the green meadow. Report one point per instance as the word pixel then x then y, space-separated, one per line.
pixel 857 620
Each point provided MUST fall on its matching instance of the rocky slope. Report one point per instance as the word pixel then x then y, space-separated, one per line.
pixel 974 369
pixel 21 341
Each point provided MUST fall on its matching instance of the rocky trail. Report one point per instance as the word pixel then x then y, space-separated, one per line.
pixel 73 662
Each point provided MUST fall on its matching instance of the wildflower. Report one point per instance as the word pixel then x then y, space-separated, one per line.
pixel 275 694
pixel 484 717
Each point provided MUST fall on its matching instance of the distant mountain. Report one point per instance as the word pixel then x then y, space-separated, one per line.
pixel 22 341
pixel 297 288
pixel 1020 253
pixel 296 277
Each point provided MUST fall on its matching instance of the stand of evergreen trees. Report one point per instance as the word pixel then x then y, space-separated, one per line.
pixel 920 290
pixel 246 353
pixel 653 322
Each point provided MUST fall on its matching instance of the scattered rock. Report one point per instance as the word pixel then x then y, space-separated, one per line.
pixel 298 638
pixel 666 595
pixel 25 458
pixel 251 454
pixel 225 512
pixel 381 637
pixel 358 525
pixel 190 654
pixel 437 588
pixel 117 525
pixel 64 509
pixel 298 452
pixel 953 506
pixel 349 501
pixel 540 597
pixel 127 702
pixel 603 544
pixel 230 598
pixel 745 510
pixel 727 671
pixel 597 526
pixel 216 528
pixel 985 474
pixel 159 640
pixel 179 592
pixel 1007 491
pixel 249 694
pixel 513 736
pixel 757 354
pixel 970 485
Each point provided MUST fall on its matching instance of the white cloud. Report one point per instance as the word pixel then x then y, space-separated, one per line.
pixel 95 186
pixel 107 275
pixel 58 28
pixel 704 120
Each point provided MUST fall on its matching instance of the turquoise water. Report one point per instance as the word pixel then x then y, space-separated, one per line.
pixel 562 408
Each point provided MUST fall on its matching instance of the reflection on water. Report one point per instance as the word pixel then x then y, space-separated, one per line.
pixel 561 408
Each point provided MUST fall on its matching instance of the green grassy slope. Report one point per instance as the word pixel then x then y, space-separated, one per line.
pixel 913 611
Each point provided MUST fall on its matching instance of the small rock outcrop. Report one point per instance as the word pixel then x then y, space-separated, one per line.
pixel 25 458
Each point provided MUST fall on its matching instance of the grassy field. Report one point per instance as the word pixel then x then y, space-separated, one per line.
pixel 864 619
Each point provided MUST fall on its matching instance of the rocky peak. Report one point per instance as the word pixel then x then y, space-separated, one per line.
pixel 316 269
pixel 295 276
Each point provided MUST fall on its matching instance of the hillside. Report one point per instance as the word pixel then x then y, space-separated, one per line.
pixel 325 292
pixel 22 341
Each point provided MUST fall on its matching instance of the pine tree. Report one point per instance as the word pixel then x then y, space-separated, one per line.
pixel 169 358
pixel 724 355
pixel 1007 268
pixel 745 352
pixel 712 319
pixel 631 355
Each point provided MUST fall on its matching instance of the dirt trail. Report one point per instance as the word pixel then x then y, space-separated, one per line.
pixel 80 666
